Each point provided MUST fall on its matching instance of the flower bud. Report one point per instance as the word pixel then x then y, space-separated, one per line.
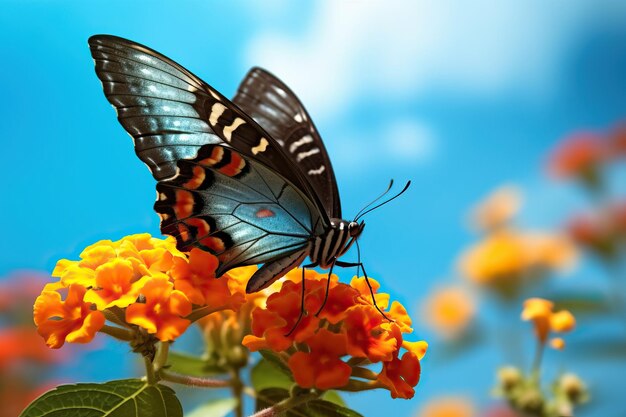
pixel 530 401
pixel 509 377
pixel 573 388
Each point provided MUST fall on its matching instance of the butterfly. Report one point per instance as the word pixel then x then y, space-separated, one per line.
pixel 247 194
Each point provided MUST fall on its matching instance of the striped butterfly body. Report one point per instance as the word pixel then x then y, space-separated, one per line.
pixel 248 194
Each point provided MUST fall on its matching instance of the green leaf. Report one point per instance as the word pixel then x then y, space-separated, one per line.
pixel 270 396
pixel 266 375
pixel 276 360
pixel 313 408
pixel 219 407
pixel 321 408
pixel 186 364
pixel 334 397
pixel 123 398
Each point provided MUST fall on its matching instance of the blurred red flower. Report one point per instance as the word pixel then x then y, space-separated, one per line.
pixel 578 155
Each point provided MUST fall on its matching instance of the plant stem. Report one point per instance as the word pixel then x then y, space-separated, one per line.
pixel 193 381
pixel 201 312
pixel 160 360
pixel 117 332
pixel 536 369
pixel 150 375
pixel 237 388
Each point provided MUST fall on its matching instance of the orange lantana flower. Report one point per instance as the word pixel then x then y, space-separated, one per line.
pixel 274 323
pixel 196 278
pixel 545 321
pixel 72 320
pixel 163 311
pixel 365 336
pixel 114 285
pixel 322 367
pixel 351 326
pixel 449 311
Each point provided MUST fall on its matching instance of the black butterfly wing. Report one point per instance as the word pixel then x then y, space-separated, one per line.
pixel 161 104
pixel 171 113
pixel 275 107
pixel 236 208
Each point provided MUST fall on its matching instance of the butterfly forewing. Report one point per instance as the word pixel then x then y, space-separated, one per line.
pixel 275 107
pixel 236 208
pixel 171 113
pixel 158 102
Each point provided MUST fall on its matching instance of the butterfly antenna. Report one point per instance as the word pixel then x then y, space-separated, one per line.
pixel 384 202
pixel 375 200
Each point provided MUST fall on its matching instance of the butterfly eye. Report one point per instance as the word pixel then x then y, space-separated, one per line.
pixel 355 228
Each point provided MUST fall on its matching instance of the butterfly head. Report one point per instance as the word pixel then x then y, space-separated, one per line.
pixel 355 228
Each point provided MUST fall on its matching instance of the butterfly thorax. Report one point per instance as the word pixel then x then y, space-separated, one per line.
pixel 334 242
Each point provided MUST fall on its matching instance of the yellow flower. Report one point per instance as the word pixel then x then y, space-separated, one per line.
pixel 506 255
pixel 497 209
pixel 545 321
pixel 551 251
pixel 501 255
pixel 449 311
pixel 114 285
pixel 448 407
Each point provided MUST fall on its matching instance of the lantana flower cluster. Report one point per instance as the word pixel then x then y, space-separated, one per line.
pixel 332 349
pixel 139 283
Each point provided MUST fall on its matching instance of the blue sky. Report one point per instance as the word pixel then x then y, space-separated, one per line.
pixel 459 97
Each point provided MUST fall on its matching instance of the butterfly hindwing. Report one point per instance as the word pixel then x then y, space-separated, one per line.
pixel 275 107
pixel 236 208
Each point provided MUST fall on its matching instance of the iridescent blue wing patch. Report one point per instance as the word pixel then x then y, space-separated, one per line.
pixel 236 208
pixel 160 103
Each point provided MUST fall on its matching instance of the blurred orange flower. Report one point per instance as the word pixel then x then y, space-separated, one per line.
pixel 617 140
pixel 506 255
pixel 601 231
pixel 498 209
pixel 545 321
pixel 71 320
pixel 448 407
pixel 449 311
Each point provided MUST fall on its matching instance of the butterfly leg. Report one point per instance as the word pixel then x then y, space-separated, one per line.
pixel 369 285
pixel 302 311
pixel 330 272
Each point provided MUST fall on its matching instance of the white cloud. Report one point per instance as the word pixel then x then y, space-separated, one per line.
pixel 401 141
pixel 355 50
pixel 408 140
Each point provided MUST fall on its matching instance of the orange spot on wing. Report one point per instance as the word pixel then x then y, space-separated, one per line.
pixel 201 225
pixel 235 166
pixel 184 232
pixel 263 213
pixel 216 155
pixel 214 243
pixel 184 204
pixel 198 178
